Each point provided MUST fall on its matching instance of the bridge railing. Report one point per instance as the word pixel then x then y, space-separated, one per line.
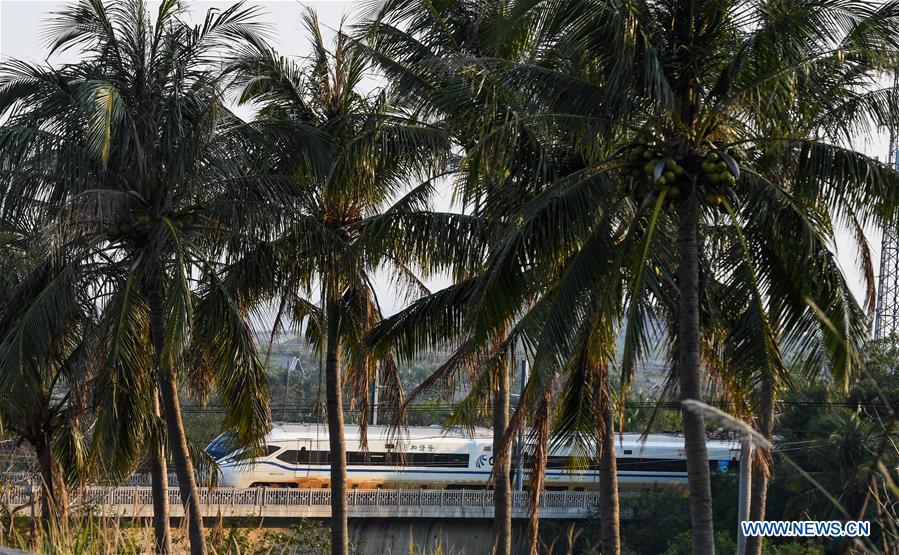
pixel 137 501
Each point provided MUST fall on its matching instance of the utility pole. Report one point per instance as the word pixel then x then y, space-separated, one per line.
pixel 519 466
pixel 293 364
pixel 746 447
pixel 374 399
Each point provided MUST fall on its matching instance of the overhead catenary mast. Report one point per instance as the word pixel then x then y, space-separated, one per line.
pixel 886 318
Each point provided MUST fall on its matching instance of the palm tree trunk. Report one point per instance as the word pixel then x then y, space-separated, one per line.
pixel 54 498
pixel 168 388
pixel 159 484
pixel 690 379
pixel 336 435
pixel 761 472
pixel 502 493
pixel 610 536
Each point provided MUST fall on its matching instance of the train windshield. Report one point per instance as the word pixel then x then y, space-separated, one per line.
pixel 221 446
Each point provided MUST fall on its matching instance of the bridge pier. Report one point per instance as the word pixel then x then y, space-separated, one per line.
pixel 459 535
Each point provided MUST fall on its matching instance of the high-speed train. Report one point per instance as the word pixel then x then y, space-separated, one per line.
pixel 297 455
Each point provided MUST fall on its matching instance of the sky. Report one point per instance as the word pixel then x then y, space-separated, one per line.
pixel 21 36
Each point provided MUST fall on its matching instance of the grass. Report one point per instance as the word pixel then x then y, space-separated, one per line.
pixel 107 536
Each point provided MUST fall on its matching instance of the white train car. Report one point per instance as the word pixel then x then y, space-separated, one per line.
pixel 298 455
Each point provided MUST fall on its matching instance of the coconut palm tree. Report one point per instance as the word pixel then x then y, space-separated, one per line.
pixel 58 381
pixel 779 167
pixel 46 365
pixel 416 44
pixel 318 266
pixel 678 87
pixel 135 163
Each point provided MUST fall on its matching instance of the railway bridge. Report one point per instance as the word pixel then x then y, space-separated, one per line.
pixel 136 502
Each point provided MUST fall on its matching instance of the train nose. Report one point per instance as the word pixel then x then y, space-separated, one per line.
pixel 228 475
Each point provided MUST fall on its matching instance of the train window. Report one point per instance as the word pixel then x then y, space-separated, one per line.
pixel 370 458
pixel 290 456
pixel 452 460
pixel 632 464
pixel 421 459
pixel 221 446
pixel 653 465
pixel 252 454
pixel 356 457
pixel 455 460
pixel 557 462
pixel 320 457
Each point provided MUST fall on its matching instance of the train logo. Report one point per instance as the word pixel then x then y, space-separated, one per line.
pixel 483 461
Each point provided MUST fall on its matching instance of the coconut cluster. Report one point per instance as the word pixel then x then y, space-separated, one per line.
pixel 135 225
pixel 660 171
pixel 719 173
